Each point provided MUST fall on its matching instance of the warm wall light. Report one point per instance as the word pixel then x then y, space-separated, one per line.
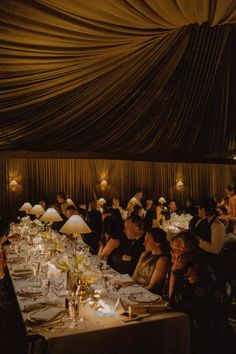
pixel 179 186
pixel 13 184
pixel 103 184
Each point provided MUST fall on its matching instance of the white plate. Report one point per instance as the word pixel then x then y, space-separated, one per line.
pixel 31 290
pixel 145 297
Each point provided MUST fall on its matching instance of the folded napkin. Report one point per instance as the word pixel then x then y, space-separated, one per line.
pixel 22 270
pixel 46 314
pixel 126 279
pixel 28 295
pixel 32 306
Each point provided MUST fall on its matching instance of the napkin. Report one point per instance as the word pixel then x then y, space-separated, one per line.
pixel 126 278
pixel 46 314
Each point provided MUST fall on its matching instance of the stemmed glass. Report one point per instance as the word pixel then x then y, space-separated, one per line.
pixel 57 283
pixel 116 285
pixel 35 267
pixel 75 311
pixel 45 288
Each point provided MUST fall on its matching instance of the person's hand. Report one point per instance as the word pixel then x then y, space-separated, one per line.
pixel 177 264
pixel 126 258
pixel 192 276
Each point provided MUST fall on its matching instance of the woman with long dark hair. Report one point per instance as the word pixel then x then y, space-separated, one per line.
pixel 153 263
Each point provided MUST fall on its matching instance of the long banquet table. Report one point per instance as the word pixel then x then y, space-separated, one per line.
pixel 162 331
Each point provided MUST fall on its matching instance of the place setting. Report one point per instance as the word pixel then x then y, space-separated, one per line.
pixel 45 317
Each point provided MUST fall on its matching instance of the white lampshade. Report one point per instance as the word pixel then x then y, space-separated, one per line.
pixel 75 225
pixel 101 201
pixel 51 215
pixel 70 201
pixel 162 200
pixel 37 210
pixel 26 207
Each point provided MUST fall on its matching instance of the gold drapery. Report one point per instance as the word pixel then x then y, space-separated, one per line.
pixel 145 78
pixel 41 178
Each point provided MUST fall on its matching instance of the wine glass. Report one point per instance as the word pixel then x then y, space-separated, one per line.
pixel 103 263
pixel 45 288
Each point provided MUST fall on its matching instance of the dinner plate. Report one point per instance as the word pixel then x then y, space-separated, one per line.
pixel 53 320
pixel 31 290
pixel 145 297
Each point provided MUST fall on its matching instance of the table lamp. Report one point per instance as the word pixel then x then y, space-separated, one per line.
pixel 26 207
pixel 76 226
pixel 50 216
pixel 37 210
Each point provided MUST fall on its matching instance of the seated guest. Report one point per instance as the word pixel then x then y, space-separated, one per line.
pixel 130 206
pixel 43 204
pixel 210 231
pixel 193 289
pixel 57 225
pixel 118 212
pixel 153 263
pixel 190 207
pixel 137 197
pixel 159 217
pixel 138 210
pixel 230 190
pixel 149 214
pixel 71 210
pixel 230 231
pixel 125 258
pixel 172 209
pixel 95 223
pixel 228 263
pixel 110 236
pixel 61 202
pixel 82 210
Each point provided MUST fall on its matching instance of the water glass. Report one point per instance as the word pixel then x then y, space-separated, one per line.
pixel 74 311
pixel 103 263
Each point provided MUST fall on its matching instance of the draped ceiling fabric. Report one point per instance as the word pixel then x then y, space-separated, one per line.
pixel 134 79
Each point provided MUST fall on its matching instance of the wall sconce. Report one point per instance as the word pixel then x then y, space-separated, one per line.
pixel 103 184
pixel 13 184
pixel 179 186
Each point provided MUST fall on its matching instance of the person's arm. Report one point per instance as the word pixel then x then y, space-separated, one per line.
pixel 2 265
pixel 232 209
pixel 159 273
pixel 134 276
pixel 217 239
pixel 111 245
pixel 176 267
pixel 101 247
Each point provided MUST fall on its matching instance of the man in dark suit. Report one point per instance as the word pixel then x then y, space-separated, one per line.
pixel 126 257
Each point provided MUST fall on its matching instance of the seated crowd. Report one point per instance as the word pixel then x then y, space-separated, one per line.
pixel 191 272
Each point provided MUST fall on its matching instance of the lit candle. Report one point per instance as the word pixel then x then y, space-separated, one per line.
pixel 130 311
